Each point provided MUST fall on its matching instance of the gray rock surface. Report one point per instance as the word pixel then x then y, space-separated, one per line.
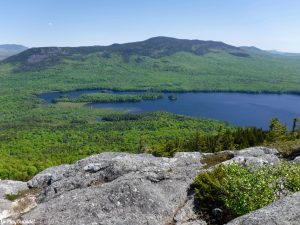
pixel 129 189
pixel 255 157
pixel 43 54
pixel 187 216
pixel 116 189
pixel 9 187
pixel 46 177
pixel 297 160
pixel 285 211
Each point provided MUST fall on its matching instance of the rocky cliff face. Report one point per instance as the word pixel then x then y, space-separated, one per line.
pixel 128 189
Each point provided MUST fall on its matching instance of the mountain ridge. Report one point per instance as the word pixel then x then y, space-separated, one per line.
pixel 159 63
pixel 283 53
pixel 155 47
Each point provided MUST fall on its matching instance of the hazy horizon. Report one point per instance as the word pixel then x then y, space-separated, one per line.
pixel 268 24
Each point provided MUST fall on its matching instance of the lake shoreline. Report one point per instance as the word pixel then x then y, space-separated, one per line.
pixel 236 108
pixel 171 91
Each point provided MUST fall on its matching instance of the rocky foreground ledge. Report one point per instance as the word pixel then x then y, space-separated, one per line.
pixel 129 189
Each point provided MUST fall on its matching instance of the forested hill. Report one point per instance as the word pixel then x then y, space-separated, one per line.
pixel 159 63
pixel 154 47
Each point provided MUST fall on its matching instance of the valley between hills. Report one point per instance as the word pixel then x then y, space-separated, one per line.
pixel 34 136
pixel 42 137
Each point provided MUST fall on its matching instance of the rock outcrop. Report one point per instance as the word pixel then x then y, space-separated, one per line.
pixel 116 188
pixel 8 187
pixel 129 189
pixel 285 211
pixel 255 157
pixel 24 202
pixel 297 160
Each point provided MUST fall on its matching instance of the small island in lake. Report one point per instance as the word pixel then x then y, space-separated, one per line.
pixel 172 97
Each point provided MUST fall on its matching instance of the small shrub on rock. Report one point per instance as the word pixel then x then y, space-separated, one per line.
pixel 237 190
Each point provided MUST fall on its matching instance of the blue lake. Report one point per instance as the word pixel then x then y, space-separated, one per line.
pixel 235 108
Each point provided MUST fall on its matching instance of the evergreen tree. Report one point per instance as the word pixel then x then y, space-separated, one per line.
pixel 295 124
pixel 278 131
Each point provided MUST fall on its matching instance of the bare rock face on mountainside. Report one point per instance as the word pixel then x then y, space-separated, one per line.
pixel 129 189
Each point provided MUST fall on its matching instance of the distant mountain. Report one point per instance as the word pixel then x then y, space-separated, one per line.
pixel 283 53
pixel 156 47
pixel 8 50
pixel 159 63
pixel 273 52
pixel 165 46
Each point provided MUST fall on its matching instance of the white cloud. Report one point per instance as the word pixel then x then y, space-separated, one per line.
pixel 50 24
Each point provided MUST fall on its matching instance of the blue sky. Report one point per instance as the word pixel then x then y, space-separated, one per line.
pixel 268 24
